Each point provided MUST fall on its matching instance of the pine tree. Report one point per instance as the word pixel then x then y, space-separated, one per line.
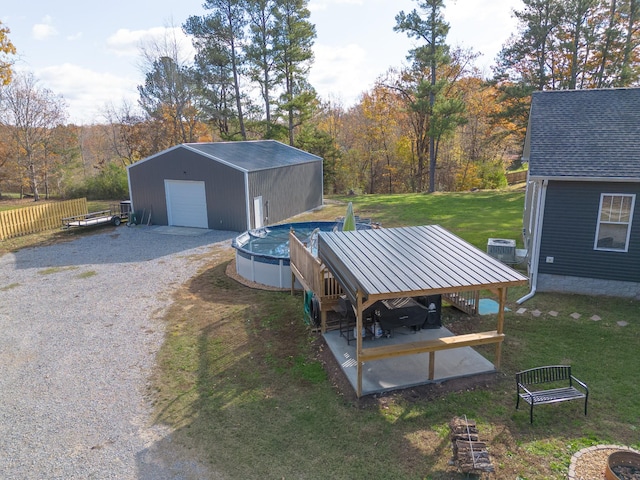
pixel 294 37
pixel 218 37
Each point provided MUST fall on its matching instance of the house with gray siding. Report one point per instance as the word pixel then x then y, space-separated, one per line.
pixel 582 219
pixel 233 186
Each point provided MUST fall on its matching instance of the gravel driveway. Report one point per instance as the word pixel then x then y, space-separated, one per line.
pixel 80 324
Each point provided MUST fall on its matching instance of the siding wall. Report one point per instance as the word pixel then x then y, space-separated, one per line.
pixel 288 190
pixel 569 229
pixel 224 187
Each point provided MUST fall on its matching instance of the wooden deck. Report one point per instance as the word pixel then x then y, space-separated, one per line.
pixel 314 276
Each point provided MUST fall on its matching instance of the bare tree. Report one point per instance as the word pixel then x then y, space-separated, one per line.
pixel 30 112
pixel 168 94
pixel 125 126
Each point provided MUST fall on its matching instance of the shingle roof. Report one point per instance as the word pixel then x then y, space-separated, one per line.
pixel 254 155
pixel 585 133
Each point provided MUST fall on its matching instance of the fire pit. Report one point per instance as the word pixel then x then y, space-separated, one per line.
pixel 623 466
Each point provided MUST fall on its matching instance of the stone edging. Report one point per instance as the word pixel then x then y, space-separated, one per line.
pixel 578 454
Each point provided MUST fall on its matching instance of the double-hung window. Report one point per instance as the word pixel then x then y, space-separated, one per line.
pixel 614 222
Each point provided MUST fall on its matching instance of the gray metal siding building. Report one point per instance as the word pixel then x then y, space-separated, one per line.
pixel 279 203
pixel 233 186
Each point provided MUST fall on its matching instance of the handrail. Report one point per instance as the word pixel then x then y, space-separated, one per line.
pixel 314 273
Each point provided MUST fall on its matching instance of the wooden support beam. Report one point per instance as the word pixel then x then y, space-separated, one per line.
pixel 424 346
pixel 432 365
pixel 359 324
pixel 502 298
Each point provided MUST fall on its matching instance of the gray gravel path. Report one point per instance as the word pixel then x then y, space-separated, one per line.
pixel 80 324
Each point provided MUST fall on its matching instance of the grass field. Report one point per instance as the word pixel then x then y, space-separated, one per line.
pixel 250 390
pixel 248 387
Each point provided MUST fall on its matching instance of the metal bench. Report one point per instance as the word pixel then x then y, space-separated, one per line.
pixel 552 374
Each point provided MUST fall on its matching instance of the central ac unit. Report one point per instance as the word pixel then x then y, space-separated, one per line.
pixel 503 249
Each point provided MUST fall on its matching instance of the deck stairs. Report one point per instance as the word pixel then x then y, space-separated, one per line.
pixel 467 302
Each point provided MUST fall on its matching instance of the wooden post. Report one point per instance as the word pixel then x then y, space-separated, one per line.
pixel 293 282
pixel 502 297
pixel 358 333
pixel 323 320
pixel 432 365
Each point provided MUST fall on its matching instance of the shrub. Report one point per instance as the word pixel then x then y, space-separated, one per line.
pixel 492 174
pixel 110 183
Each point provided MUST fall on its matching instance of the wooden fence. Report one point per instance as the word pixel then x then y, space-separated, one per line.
pixel 38 218
pixel 516 177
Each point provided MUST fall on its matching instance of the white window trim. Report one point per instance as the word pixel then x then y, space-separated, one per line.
pixel 629 223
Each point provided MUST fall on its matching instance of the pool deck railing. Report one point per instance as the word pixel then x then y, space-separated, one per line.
pixel 313 275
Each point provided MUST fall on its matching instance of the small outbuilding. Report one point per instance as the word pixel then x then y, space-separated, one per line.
pixel 581 227
pixel 233 186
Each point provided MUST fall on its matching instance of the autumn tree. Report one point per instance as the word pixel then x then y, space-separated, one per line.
pixel 320 136
pixel 30 112
pixel 382 111
pixel 127 133
pixel 420 85
pixel 477 153
pixel 168 97
pixel 629 68
pixel 10 178
pixel 61 154
pixel 6 50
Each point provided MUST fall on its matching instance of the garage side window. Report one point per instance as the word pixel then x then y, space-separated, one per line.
pixel 614 222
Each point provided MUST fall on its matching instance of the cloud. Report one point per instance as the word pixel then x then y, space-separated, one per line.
pixel 322 5
pixel 44 30
pixel 485 27
pixel 74 37
pixel 86 92
pixel 127 43
pixel 341 71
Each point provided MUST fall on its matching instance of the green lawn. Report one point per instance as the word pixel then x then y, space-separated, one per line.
pixel 242 380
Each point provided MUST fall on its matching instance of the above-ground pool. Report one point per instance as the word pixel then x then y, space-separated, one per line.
pixel 262 255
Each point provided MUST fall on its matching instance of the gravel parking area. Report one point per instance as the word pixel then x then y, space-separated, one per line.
pixel 80 324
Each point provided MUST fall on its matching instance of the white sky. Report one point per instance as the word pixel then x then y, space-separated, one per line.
pixel 90 54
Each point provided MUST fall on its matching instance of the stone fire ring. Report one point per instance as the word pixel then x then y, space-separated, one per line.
pixel 583 454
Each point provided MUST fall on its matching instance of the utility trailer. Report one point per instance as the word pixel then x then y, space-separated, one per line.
pixel 114 216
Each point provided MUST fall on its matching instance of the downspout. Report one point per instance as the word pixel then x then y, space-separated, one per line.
pixel 535 252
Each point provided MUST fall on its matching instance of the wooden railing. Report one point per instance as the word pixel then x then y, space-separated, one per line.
pixel 39 218
pixel 311 272
pixel 464 301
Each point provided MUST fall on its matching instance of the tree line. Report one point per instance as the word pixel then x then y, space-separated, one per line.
pixel 433 124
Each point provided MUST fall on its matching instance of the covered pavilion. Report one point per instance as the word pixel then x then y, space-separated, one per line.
pixel 390 263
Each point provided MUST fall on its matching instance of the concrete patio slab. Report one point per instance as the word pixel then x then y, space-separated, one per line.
pixel 406 371
pixel 184 231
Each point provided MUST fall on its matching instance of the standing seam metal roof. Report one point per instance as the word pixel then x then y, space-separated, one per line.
pixel 255 155
pixel 407 261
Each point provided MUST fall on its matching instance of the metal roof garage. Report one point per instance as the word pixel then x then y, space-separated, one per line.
pixel 233 186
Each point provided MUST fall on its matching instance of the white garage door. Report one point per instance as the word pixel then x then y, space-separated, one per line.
pixel 186 203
